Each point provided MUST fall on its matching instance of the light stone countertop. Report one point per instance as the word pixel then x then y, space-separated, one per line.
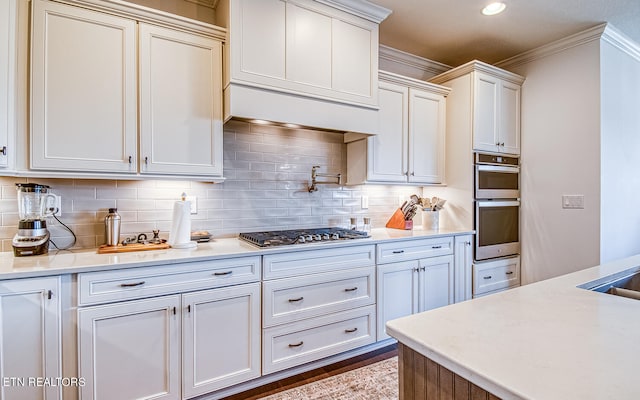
pixel 67 262
pixel 548 340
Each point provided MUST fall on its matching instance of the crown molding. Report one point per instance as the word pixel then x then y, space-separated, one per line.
pixel 620 41
pixel 414 83
pixel 478 66
pixel 605 32
pixel 580 38
pixel 361 8
pixel 411 60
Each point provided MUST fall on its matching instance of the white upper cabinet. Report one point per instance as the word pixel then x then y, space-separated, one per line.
pixel 180 124
pixel 409 146
pixel 302 61
pixel 83 83
pixel 93 72
pixel 494 94
pixel 7 73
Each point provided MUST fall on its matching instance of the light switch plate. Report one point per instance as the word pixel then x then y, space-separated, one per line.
pixel 573 201
pixel 365 202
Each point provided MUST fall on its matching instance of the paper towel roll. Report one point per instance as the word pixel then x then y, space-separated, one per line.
pixel 180 233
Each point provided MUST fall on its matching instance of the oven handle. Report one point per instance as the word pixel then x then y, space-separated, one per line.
pixel 494 203
pixel 498 168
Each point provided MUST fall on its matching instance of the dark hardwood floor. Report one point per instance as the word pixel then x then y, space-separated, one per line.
pixel 317 374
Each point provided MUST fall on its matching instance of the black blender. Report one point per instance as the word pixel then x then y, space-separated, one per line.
pixel 32 237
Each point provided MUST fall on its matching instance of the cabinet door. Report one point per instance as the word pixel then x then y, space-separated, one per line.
pixel 463 270
pixel 510 118
pixel 308 47
pixel 387 151
pixel 84 102
pixel 221 344
pixel 258 38
pixel 397 292
pixel 130 350
pixel 29 338
pixel 427 115
pixel 436 282
pixel 180 103
pixel 7 69
pixel 485 112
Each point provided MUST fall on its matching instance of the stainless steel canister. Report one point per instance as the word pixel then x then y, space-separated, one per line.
pixel 112 227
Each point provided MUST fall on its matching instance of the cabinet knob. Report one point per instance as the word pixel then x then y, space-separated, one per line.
pixel 130 159
pixel 3 150
pixel 502 144
pixel 146 160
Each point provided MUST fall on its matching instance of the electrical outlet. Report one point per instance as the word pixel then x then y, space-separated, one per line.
pixel 365 202
pixel 194 203
pixel 575 201
pixel 55 203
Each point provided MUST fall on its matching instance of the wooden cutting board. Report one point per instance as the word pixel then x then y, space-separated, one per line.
pixel 104 249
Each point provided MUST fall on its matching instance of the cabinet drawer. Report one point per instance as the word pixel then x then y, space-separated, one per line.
pixel 108 286
pixel 414 249
pixel 293 299
pixel 305 262
pixel 494 275
pixel 298 343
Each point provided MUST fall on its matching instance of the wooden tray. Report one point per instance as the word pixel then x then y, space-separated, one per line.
pixel 104 249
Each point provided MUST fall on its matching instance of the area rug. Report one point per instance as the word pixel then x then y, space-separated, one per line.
pixel 378 381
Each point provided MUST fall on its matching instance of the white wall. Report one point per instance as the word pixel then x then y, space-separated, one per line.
pixel 620 173
pixel 560 155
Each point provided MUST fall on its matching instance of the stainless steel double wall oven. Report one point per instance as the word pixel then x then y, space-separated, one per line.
pixel 497 206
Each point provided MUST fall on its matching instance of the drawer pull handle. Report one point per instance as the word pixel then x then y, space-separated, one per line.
pixel 398 251
pixel 294 300
pixel 487 277
pixel 297 344
pixel 132 284
pixel 509 272
pixel 350 330
pixel 436 247
pixel 353 289
pixel 222 273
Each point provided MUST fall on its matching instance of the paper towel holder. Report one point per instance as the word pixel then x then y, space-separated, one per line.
pixel 181 223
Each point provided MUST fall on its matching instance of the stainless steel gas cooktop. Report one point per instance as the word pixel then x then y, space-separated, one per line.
pixel 299 236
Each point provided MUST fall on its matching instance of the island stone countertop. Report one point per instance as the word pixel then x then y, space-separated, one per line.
pixel 547 340
pixel 67 262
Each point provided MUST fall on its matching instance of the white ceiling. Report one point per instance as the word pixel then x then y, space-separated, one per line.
pixel 454 31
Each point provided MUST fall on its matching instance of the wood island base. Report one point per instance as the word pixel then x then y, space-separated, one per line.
pixel 421 378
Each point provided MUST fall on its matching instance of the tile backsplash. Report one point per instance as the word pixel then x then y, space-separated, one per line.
pixel 267 171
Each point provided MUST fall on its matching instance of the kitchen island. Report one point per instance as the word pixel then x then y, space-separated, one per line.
pixel 547 340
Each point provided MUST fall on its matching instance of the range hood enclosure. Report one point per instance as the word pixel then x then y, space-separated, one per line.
pixel 304 62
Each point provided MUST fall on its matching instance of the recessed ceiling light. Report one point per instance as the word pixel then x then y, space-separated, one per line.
pixel 494 8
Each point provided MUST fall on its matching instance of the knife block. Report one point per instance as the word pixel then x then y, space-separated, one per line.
pixel 397 221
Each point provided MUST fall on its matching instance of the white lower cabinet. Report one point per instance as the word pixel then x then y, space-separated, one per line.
pixel 30 339
pixel 130 350
pixel 495 275
pixel 327 307
pixel 463 274
pixel 221 342
pixel 409 287
pixel 177 345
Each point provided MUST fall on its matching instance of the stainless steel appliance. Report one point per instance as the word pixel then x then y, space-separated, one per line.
pixel 496 177
pixel 300 236
pixel 497 228
pixel 33 236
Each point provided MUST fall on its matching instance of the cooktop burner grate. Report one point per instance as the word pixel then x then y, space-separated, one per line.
pixel 299 236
